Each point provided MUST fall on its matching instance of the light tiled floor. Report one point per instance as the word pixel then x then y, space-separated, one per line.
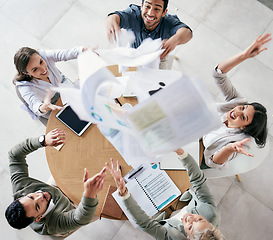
pixel 221 28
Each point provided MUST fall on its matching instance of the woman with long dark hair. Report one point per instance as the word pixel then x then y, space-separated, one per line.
pixel 242 121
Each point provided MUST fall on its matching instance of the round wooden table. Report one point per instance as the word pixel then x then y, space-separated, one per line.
pixel 90 151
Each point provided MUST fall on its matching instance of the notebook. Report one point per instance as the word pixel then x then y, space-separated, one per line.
pixel 151 187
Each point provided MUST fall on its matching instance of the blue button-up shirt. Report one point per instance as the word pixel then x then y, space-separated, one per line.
pixel 131 19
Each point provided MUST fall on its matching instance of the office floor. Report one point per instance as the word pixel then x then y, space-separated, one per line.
pixel 221 28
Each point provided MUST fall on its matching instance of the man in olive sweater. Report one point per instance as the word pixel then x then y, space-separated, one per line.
pixel 44 207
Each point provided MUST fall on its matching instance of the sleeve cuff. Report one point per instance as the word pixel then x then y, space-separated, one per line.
pixel 126 196
pixel 36 107
pixel 89 201
pixel 183 156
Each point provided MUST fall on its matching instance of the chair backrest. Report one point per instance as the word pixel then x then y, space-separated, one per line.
pixel 241 163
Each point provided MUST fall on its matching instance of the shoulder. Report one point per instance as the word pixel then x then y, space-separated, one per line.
pixel 173 20
pixel 209 212
pixel 173 23
pixel 42 52
pixel 174 228
pixel 135 8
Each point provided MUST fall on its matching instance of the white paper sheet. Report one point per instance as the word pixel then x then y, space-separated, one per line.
pixel 181 112
pixel 147 53
pixel 174 117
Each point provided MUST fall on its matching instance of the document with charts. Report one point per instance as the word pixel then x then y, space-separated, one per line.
pixel 151 187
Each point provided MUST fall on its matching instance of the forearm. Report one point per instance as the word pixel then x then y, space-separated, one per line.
pixel 147 224
pixel 85 212
pixel 222 156
pixel 64 55
pixel 32 98
pixel 70 221
pixel 182 36
pixel 195 174
pixel 198 180
pixel 231 62
pixel 17 158
pixel 113 19
pixel 19 151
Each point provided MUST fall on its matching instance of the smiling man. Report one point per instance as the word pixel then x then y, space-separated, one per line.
pixel 44 207
pixel 150 20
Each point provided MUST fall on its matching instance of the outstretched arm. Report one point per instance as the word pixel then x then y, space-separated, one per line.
pixel 197 178
pixel 17 156
pixel 222 156
pixel 182 36
pixel 147 224
pixel 67 222
pixel 47 105
pixel 253 50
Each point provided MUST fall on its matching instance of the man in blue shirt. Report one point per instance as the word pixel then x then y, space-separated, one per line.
pixel 150 20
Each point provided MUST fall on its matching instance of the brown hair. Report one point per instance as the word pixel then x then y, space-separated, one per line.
pixel 21 60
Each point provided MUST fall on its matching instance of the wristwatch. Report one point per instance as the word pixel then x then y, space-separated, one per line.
pixel 42 140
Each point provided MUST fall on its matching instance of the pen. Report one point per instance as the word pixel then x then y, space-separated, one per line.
pixel 135 173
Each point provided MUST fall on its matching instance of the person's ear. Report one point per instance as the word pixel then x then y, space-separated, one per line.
pixel 38 218
pixel 165 12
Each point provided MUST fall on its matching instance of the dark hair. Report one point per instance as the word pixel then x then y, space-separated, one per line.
pixel 16 215
pixel 165 4
pixel 258 127
pixel 21 60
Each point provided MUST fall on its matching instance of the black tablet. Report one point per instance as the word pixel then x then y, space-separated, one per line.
pixel 71 120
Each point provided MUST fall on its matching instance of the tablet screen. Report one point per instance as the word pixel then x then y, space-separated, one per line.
pixel 71 120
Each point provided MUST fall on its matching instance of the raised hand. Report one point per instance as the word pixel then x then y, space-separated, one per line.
pixel 55 137
pixel 112 26
pixel 93 185
pixel 179 151
pixel 253 50
pixel 168 45
pixel 238 147
pixel 257 46
pixel 116 173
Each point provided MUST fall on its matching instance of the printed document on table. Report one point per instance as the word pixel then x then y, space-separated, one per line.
pixel 156 184
pixel 151 188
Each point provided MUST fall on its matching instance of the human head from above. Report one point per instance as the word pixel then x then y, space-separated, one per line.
pixel 23 211
pixel 152 11
pixel 197 227
pixel 30 64
pixel 251 119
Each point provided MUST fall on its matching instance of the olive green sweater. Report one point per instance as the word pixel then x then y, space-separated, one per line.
pixel 63 218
